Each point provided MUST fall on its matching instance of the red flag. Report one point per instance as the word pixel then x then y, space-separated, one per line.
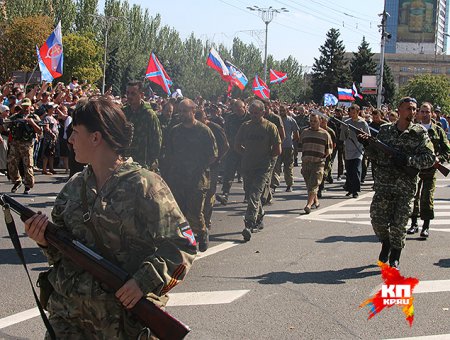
pixel 277 77
pixel 156 73
pixel 260 88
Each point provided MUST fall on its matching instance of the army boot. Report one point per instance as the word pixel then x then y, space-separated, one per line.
pixel 385 249
pixel 203 241
pixel 259 221
pixel 425 228
pixel 394 258
pixel 414 226
pixel 223 199
pixel 247 232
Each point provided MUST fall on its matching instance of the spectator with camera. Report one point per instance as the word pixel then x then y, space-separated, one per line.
pixel 24 126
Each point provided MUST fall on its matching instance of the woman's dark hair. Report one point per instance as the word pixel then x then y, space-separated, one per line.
pixel 103 115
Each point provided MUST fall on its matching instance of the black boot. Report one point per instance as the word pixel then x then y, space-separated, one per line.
pixel 385 249
pixel 394 258
pixel 260 222
pixel 414 226
pixel 425 227
pixel 203 241
pixel 247 232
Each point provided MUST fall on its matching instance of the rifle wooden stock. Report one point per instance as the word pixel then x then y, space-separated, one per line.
pixel 162 324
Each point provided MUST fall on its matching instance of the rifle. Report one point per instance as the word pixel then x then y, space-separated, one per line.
pixel 390 151
pixel 162 324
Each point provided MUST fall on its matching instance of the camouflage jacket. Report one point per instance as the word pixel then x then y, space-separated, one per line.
pixel 440 142
pixel 414 143
pixel 147 135
pixel 140 224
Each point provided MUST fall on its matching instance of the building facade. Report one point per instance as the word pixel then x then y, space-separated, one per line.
pixel 417 26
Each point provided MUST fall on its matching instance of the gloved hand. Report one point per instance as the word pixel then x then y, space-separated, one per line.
pixel 363 139
pixel 400 159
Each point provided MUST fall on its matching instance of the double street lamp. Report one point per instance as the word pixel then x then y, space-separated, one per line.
pixel 267 15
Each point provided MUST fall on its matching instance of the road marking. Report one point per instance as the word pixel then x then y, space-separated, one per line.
pixel 176 299
pixel 426 337
pixel 431 286
pixel 366 207
pixel 216 249
pixel 19 317
pixel 205 298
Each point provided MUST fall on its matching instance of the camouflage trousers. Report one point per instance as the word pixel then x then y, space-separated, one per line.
pixel 287 160
pixel 210 198
pixel 232 163
pixel 21 152
pixel 389 212
pixel 91 319
pixel 424 199
pixel 254 183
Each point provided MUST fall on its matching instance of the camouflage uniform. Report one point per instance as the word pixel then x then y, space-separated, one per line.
pixel 147 135
pixel 189 152
pixel 427 181
pixel 143 231
pixel 394 190
pixel 21 149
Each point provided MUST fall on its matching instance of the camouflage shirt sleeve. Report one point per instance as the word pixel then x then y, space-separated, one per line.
pixel 443 153
pixel 173 239
pixel 423 156
pixel 155 134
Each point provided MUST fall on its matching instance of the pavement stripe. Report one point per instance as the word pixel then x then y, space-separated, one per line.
pixel 367 215
pixel 216 249
pixel 426 337
pixel 19 317
pixel 205 298
pixel 366 207
pixel 176 299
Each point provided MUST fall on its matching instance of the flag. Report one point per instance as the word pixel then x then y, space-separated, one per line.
pixel 355 92
pixel 329 99
pixel 237 77
pixel 51 53
pixel 156 73
pixel 277 77
pixel 260 88
pixel 216 63
pixel 45 73
pixel 345 94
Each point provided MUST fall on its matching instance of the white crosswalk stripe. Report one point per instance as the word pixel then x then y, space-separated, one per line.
pixel 357 211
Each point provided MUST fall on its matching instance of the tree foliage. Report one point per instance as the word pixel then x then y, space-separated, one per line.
pixel 429 88
pixel 330 71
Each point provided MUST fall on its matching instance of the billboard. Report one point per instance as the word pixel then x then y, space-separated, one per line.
pixel 416 21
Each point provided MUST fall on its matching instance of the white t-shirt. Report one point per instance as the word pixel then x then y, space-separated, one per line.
pixel 66 124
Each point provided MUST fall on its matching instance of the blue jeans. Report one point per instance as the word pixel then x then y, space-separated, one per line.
pixel 353 179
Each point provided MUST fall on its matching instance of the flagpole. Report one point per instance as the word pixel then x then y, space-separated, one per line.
pixel 28 81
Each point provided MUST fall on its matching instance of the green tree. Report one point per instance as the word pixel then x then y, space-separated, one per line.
pixel 390 89
pixel 82 57
pixel 429 88
pixel 362 62
pixel 18 45
pixel 330 70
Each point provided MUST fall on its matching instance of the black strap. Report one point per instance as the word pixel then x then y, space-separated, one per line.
pixel 12 231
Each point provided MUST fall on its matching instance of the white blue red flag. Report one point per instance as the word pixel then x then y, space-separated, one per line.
pixel 260 88
pixel 277 77
pixel 51 53
pixel 345 94
pixel 45 73
pixel 355 92
pixel 215 62
pixel 329 99
pixel 237 77
pixel 156 73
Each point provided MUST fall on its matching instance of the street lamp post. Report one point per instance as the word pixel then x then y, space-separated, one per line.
pixel 384 35
pixel 107 20
pixel 267 15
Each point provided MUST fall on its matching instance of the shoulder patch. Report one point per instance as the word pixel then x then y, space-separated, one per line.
pixel 186 231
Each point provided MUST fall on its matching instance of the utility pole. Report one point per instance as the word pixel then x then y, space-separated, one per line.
pixel 267 15
pixel 384 35
pixel 106 20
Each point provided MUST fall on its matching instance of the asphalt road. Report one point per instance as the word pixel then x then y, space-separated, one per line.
pixel 302 277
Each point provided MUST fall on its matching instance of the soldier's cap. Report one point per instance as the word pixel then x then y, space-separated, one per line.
pixel 26 102
pixel 4 108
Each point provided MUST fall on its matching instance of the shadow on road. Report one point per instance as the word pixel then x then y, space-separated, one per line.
pixel 322 277
pixel 356 239
pixel 443 263
pixel 32 255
